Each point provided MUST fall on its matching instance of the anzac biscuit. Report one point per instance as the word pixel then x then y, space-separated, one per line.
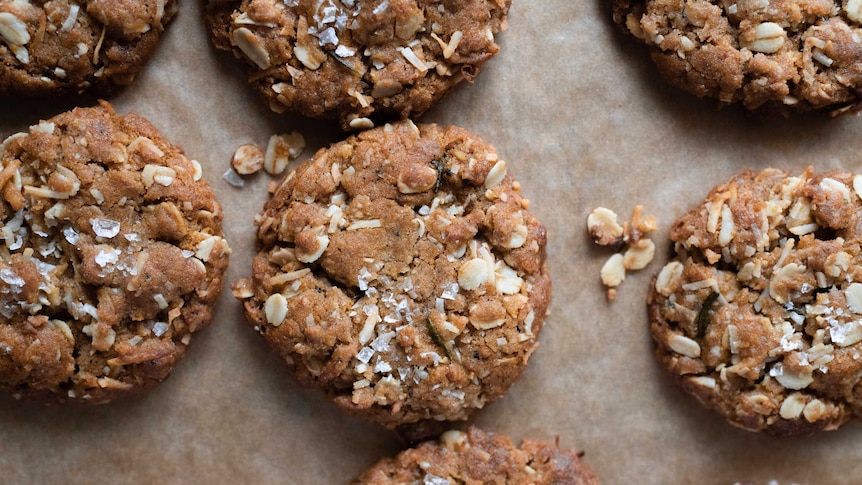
pixel 400 272
pixel 767 55
pixel 64 46
pixel 358 61
pixel 479 457
pixel 112 256
pixel 759 315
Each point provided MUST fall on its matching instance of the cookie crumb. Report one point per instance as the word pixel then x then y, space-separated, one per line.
pixel 634 250
pixel 247 159
pixel 281 150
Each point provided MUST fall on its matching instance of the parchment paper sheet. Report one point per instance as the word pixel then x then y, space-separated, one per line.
pixel 582 119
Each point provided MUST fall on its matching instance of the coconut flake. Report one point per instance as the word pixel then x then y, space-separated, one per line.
pixel 71 19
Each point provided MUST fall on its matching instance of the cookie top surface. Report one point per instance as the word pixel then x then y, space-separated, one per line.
pixel 358 61
pixel 401 272
pixel 63 46
pixel 479 457
pixel 112 256
pixel 772 55
pixel 759 315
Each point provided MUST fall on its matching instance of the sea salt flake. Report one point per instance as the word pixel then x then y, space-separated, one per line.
pixel 363 278
pixel 106 257
pixel 159 328
pixel 344 51
pixel 106 228
pixel 434 480
pixel 329 14
pixel 381 343
pixel 382 367
pixel 328 36
pixel 365 355
pixel 450 291
pixel 233 178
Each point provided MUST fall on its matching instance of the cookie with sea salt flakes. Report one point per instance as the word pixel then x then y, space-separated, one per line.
pixel 759 314
pixel 358 61
pixel 64 46
pixel 401 272
pixel 773 56
pixel 476 456
pixel 111 256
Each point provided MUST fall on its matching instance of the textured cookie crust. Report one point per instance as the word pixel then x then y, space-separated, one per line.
pixel 358 61
pixel 478 457
pixel 759 315
pixel 401 272
pixel 774 55
pixel 62 46
pixel 111 256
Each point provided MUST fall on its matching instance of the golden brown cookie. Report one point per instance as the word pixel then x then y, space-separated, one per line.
pixel 480 457
pixel 112 256
pixel 400 272
pixel 358 61
pixel 767 55
pixel 65 46
pixel 759 314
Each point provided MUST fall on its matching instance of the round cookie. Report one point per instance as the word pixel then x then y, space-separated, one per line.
pixel 358 61
pixel 63 46
pixel 767 55
pixel 400 272
pixel 480 457
pixel 759 315
pixel 111 256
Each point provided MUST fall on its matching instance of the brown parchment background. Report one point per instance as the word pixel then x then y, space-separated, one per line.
pixel 582 119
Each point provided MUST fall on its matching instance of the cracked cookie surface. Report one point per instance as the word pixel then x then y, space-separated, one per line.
pixel 112 256
pixel 476 456
pixel 759 315
pixel 400 271
pixel 70 46
pixel 770 55
pixel 358 61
